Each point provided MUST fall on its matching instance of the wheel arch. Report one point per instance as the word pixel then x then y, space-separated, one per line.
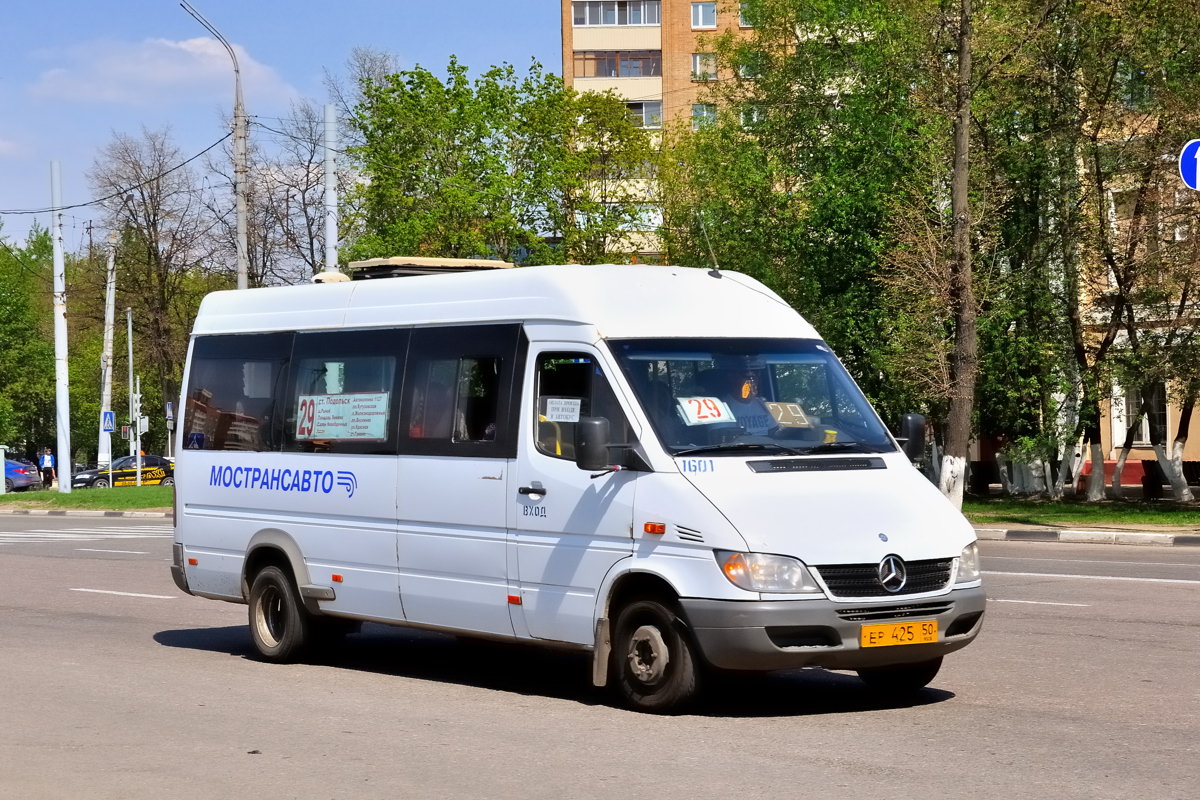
pixel 621 587
pixel 273 547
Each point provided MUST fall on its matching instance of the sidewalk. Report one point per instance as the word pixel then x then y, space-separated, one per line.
pixel 1162 535
pixel 81 512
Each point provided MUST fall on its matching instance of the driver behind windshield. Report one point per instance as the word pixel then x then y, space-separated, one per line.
pixel 738 386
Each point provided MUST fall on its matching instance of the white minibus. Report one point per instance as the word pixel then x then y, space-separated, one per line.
pixel 665 467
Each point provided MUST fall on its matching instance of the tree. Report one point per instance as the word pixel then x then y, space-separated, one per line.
pixel 498 167
pixel 26 345
pixel 795 180
pixel 164 246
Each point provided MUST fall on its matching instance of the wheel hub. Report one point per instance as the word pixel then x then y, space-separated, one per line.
pixel 648 654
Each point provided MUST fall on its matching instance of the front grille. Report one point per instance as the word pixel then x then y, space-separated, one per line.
pixel 893 612
pixel 862 580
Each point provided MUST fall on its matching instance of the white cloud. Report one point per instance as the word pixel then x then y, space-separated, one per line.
pixel 9 148
pixel 156 72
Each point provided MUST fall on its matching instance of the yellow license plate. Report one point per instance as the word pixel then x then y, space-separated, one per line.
pixel 923 631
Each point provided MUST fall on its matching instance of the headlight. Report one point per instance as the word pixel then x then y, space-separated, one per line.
pixel 968 564
pixel 762 572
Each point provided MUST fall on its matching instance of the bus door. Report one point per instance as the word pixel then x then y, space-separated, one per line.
pixel 458 432
pixel 569 528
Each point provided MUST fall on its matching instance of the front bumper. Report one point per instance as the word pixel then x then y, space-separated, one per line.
pixel 785 634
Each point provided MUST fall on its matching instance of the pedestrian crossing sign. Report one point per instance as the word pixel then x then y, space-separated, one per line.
pixel 108 422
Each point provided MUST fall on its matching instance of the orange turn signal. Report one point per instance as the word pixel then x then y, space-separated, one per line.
pixel 655 527
pixel 336 578
pixel 193 562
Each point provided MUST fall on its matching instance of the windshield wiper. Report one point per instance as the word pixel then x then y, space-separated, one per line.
pixel 733 447
pixel 841 447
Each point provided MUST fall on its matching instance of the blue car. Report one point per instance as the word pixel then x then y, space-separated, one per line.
pixel 20 476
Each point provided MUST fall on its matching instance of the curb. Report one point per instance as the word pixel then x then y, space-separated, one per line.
pixel 1087 537
pixel 64 512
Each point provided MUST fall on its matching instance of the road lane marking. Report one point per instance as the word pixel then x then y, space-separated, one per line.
pixel 1094 561
pixel 1040 603
pixel 1092 577
pixel 35 535
pixel 99 550
pixel 127 594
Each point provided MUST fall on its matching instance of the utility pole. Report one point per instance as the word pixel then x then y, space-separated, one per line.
pixel 241 171
pixel 104 448
pixel 331 231
pixel 133 404
pixel 62 395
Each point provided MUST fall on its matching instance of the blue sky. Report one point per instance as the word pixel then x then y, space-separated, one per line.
pixel 74 72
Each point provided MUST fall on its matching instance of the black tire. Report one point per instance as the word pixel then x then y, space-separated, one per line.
pixel 8 484
pixel 901 679
pixel 654 667
pixel 100 483
pixel 279 625
pixel 167 481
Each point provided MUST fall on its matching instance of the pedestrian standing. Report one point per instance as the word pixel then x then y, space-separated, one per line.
pixel 47 467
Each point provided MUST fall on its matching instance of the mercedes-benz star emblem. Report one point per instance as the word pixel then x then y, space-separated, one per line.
pixel 892 573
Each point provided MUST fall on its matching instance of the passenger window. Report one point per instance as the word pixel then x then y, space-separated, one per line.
pixel 229 402
pixel 455 399
pixel 342 396
pixel 571 386
pixel 458 389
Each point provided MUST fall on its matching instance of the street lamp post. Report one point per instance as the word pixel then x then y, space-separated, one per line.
pixel 240 169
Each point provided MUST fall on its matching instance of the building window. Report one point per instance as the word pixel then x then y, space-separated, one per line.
pixel 753 116
pixel 703 115
pixel 646 113
pixel 751 67
pixel 704 67
pixel 1126 406
pixel 704 15
pixel 616 12
pixel 618 63
pixel 743 20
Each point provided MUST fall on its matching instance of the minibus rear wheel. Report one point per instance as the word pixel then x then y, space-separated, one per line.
pixel 278 622
pixel 655 667
pixel 901 678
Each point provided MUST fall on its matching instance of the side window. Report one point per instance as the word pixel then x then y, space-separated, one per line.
pixel 571 386
pixel 229 402
pixel 342 392
pixel 458 391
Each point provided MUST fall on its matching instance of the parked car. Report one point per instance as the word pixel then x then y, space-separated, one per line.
pixel 156 470
pixel 20 476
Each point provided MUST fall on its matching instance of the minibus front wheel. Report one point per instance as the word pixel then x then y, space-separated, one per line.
pixel 655 667
pixel 278 621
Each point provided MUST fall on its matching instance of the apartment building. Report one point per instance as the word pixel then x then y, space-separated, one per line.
pixel 655 53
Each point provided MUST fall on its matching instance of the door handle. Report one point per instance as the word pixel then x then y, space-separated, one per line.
pixel 531 490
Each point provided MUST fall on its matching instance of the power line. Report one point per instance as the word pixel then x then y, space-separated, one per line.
pixel 120 192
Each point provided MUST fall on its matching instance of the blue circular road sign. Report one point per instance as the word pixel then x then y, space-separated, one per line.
pixel 1189 164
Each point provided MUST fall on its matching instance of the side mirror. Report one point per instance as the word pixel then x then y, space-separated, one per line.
pixel 912 436
pixel 591 444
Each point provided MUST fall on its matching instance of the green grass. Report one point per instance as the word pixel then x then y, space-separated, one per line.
pixel 991 511
pixel 1070 512
pixel 119 498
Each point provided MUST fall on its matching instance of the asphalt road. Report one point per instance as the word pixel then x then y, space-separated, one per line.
pixel 115 685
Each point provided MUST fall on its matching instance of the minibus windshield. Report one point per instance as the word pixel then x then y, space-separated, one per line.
pixel 750 396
